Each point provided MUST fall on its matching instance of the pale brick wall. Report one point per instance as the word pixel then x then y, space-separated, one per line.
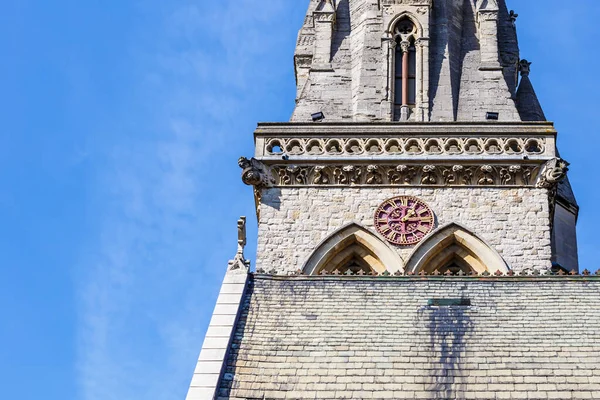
pixel 515 222
pixel 360 338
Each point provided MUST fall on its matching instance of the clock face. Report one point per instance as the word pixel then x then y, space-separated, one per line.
pixel 404 220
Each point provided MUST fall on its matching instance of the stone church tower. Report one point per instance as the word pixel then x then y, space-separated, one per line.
pixel 416 224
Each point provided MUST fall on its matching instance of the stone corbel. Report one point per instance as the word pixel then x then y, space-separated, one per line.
pixel 487 18
pixel 239 262
pixel 324 19
pixel 255 173
pixel 552 173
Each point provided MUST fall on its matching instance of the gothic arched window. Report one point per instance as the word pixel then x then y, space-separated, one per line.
pixel 355 249
pixel 455 249
pixel 405 69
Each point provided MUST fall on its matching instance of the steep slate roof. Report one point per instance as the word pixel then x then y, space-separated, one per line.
pixel 528 105
pixel 377 338
pixel 565 191
pixel 530 109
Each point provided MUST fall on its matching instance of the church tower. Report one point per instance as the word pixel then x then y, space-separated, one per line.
pixel 417 99
pixel 414 217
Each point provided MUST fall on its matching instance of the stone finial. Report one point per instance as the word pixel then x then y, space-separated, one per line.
pixel 241 235
pixel 527 102
pixel 553 172
pixel 513 17
pixel 239 262
pixel 254 173
pixel 524 67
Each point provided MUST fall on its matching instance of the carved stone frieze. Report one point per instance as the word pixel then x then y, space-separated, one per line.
pixel 427 3
pixel 413 175
pixel 406 146
pixel 255 173
pixel 324 17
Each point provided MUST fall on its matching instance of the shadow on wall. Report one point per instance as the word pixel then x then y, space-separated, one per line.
pixel 271 197
pixel 343 27
pixel 448 327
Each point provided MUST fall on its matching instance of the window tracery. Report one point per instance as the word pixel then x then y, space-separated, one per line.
pixel 353 249
pixel 408 58
pixel 455 249
pixel 405 68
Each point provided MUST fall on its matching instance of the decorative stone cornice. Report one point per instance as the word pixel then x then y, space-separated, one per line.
pixel 481 175
pixel 426 3
pixel 410 146
pixel 325 129
pixel 254 173
pixel 386 154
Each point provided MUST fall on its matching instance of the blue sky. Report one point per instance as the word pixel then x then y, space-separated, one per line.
pixel 122 124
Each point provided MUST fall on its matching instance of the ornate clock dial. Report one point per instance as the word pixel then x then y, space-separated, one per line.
pixel 404 220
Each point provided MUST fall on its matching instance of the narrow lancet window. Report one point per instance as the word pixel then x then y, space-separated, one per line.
pixel 405 72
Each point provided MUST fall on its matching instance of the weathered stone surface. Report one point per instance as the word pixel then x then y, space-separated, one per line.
pixel 467 54
pixel 320 338
pixel 293 222
pixel 377 321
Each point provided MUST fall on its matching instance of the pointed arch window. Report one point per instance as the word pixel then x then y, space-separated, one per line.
pixel 453 248
pixel 405 69
pixel 355 249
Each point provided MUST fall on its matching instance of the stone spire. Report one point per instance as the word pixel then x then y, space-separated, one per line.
pixel 465 57
pixel 527 101
pixel 487 51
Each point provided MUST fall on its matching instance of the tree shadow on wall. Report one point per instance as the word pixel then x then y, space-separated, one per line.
pixel 448 328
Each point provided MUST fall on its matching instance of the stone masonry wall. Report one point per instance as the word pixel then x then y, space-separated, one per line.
pixel 357 88
pixel 515 222
pixel 346 338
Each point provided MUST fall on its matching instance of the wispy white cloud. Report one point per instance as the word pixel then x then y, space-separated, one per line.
pixel 163 233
